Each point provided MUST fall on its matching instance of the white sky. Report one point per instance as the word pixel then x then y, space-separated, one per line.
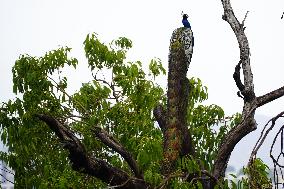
pixel 36 26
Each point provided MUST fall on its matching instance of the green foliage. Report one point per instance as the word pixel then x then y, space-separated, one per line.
pixel 156 67
pixel 258 175
pixel 100 55
pixel 204 123
pixel 122 104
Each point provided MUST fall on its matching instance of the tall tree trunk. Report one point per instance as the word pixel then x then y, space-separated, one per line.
pixel 177 139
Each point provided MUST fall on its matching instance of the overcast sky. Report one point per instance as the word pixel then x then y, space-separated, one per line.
pixel 36 26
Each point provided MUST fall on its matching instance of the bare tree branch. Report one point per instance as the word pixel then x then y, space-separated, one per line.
pixel 238 29
pixel 243 22
pixel 263 136
pixel 261 100
pixel 83 162
pixel 247 89
pixel 251 102
pixel 278 160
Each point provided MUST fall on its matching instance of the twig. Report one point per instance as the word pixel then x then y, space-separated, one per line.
pixel 114 92
pixel 63 91
pixel 279 158
pixel 121 185
pixel 168 178
pixel 77 116
pixel 243 22
pixel 263 137
pixel 273 143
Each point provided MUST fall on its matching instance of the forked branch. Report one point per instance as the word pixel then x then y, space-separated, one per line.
pixel 85 163
pixel 247 90
pixel 251 102
pixel 111 142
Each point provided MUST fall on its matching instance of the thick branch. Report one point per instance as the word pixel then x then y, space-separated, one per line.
pixel 83 162
pixel 111 142
pixel 261 100
pixel 238 28
pixel 229 143
pixel 247 89
pixel 177 139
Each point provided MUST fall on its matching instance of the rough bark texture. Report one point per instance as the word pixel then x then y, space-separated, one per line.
pixel 116 146
pixel 177 140
pixel 247 90
pixel 83 162
pixel 251 102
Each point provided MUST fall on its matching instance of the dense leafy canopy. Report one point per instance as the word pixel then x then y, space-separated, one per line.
pixel 122 104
